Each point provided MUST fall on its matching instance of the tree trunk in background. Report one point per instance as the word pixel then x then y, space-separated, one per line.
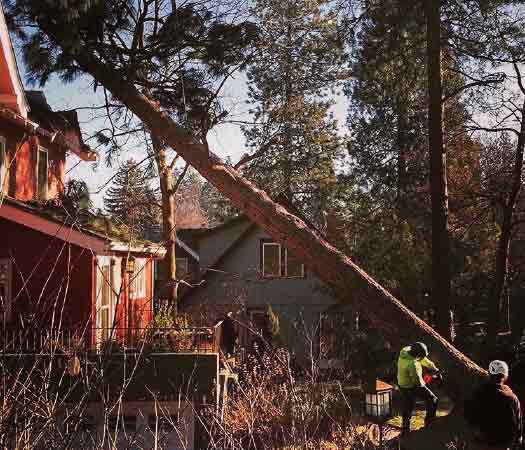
pixel 401 163
pixel 338 271
pixel 502 251
pixel 169 231
pixel 438 176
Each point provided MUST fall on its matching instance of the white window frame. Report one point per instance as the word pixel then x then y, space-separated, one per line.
pixel 3 162
pixel 286 267
pixel 283 262
pixel 264 245
pixel 8 305
pixel 39 150
pixel 137 283
pixel 106 284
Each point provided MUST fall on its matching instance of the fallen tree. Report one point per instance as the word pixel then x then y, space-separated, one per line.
pixel 349 282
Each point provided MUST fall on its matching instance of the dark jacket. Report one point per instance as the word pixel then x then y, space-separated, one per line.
pixel 496 412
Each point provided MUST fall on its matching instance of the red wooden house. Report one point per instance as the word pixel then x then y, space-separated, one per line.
pixel 58 271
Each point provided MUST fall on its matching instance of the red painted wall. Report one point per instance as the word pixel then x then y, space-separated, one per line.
pixel 22 159
pixel 133 313
pixel 137 312
pixel 141 308
pixel 54 272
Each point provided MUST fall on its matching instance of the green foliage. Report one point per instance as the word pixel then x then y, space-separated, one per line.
pixel 274 326
pixel 75 196
pixel 131 200
pixel 294 140
pixel 217 208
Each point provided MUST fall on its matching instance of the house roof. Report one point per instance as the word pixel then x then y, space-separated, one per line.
pixel 184 235
pixel 30 109
pixel 187 248
pixel 85 230
pixel 229 223
pixel 12 90
pixel 82 151
pixel 242 217
pixel 240 237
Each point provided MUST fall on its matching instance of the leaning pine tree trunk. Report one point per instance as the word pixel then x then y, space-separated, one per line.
pixel 438 176
pixel 338 271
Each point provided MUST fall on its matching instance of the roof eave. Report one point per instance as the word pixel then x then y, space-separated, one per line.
pixel 57 137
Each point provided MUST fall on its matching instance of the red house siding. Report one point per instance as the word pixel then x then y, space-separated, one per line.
pixel 48 272
pixel 141 308
pixel 22 160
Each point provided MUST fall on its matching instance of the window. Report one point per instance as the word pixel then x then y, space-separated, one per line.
pixel 3 163
pixel 276 262
pixel 182 268
pixel 271 259
pixel 5 288
pixel 294 268
pixel 138 280
pixel 336 329
pixel 105 304
pixel 42 173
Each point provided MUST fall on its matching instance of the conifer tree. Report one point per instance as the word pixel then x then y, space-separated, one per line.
pixel 294 141
pixel 130 198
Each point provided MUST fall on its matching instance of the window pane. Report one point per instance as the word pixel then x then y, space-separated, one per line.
pixel 104 324
pixel 105 286
pixel 42 174
pixel 2 156
pixel 271 260
pixel 294 268
pixel 138 282
pixel 5 295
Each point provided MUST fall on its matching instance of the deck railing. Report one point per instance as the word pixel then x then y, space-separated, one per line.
pixel 149 339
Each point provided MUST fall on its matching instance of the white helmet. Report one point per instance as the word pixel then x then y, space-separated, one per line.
pixel 498 367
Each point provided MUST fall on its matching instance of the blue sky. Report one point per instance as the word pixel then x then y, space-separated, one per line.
pixel 226 140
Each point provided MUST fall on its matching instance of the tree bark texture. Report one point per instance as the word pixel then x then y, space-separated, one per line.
pixel 438 176
pixel 169 230
pixel 349 282
pixel 502 251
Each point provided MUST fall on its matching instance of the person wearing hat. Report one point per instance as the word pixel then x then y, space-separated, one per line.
pixel 494 410
pixel 412 359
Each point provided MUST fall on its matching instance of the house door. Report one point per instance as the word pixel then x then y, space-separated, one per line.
pixel 258 331
pixel 105 306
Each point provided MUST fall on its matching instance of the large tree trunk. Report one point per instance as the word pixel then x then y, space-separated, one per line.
pixel 169 231
pixel 338 271
pixel 502 251
pixel 438 175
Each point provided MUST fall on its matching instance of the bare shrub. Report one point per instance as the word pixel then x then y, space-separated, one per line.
pixel 271 408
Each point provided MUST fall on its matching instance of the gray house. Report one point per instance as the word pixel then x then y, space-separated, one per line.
pixel 244 271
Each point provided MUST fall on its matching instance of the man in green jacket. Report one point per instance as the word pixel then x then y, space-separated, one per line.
pixel 410 380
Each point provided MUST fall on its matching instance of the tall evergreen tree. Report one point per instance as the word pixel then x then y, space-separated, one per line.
pixel 294 141
pixel 390 158
pixel 335 269
pixel 130 198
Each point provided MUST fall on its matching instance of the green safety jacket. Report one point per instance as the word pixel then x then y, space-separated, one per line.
pixel 410 369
